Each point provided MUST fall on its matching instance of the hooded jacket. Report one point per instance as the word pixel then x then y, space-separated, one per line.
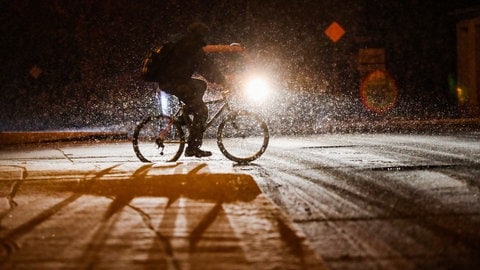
pixel 187 57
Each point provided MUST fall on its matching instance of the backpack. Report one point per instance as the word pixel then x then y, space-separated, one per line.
pixel 155 62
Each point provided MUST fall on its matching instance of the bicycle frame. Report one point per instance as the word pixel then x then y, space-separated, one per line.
pixel 179 113
pixel 249 126
pixel 225 107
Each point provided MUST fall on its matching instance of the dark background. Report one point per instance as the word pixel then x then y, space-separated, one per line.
pixel 89 54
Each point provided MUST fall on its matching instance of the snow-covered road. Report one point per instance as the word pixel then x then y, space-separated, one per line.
pixel 381 200
pixel 362 201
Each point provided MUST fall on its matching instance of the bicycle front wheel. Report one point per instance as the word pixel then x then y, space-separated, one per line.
pixel 158 139
pixel 242 136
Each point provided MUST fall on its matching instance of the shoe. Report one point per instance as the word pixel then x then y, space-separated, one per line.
pixel 196 152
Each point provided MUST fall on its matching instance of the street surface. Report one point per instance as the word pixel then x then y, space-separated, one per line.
pixel 381 201
pixel 337 201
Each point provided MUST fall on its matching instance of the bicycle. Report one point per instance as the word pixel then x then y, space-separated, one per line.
pixel 242 136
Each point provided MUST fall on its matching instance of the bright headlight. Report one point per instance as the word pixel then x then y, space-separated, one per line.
pixel 257 88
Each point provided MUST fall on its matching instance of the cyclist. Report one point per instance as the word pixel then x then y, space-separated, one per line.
pixel 187 57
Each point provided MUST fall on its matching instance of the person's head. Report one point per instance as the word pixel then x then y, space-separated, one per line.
pixel 198 28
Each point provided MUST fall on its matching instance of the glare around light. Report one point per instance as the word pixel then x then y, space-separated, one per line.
pixel 257 88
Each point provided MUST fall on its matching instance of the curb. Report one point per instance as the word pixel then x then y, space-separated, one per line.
pixel 398 125
pixel 408 126
pixel 12 138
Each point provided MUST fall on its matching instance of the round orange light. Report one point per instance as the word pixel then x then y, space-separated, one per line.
pixel 378 91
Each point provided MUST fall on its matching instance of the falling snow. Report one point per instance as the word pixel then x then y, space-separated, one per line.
pixel 75 65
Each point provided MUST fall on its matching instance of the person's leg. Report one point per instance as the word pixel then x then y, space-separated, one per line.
pixel 199 110
pixel 192 95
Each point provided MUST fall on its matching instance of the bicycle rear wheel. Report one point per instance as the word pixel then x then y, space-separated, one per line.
pixel 242 136
pixel 158 139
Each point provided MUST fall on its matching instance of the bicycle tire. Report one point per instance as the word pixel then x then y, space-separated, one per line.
pixel 150 148
pixel 242 136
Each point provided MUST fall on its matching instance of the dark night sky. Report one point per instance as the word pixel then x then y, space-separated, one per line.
pixel 89 52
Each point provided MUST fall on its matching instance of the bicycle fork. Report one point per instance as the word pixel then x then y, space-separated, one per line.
pixel 161 137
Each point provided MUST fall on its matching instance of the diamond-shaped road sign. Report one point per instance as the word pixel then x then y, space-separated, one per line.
pixel 35 72
pixel 334 31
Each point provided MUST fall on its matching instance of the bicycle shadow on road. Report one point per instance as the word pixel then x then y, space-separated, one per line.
pixel 218 187
pixel 189 217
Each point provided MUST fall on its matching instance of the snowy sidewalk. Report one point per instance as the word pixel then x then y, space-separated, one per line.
pixel 60 209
